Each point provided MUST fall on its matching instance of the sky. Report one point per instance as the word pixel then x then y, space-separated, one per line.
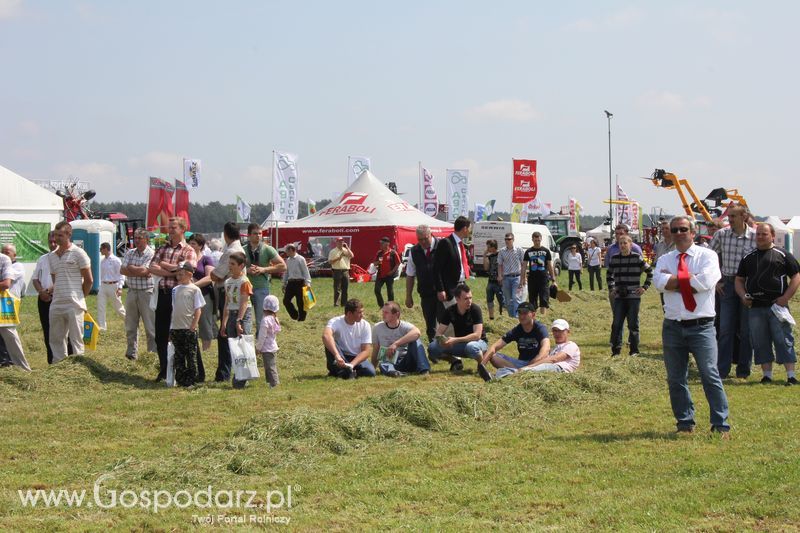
pixel 112 92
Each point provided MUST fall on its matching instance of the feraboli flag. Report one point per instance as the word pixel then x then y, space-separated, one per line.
pixel 159 205
pixel 182 202
pixel 457 193
pixel 284 187
pixel 524 189
pixel 430 201
pixel 524 181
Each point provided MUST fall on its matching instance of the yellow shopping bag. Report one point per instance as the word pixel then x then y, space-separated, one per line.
pixel 91 331
pixel 9 309
pixel 309 300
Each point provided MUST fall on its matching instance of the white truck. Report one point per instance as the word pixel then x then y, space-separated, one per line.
pixel 485 230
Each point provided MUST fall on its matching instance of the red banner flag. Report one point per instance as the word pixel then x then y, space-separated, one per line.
pixel 182 202
pixel 159 205
pixel 525 188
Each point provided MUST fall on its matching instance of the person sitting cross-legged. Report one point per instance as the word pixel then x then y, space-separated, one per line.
pixel 530 336
pixel 348 343
pixel 565 356
pixel 396 349
pixel 469 339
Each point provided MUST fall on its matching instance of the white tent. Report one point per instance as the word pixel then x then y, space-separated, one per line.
pixel 25 208
pixel 600 233
pixel 363 214
pixel 783 234
pixel 794 225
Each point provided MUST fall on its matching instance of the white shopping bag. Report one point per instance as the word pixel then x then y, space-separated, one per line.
pixel 243 358
pixel 170 365
pixel 154 295
pixel 522 293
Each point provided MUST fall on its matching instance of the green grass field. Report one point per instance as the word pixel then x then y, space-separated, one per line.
pixel 595 449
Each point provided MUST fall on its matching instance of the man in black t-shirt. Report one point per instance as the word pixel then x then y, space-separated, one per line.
pixel 766 280
pixel 538 264
pixel 469 338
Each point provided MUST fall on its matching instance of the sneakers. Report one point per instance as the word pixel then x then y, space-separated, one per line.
pixel 724 434
pixel 634 354
pixel 791 381
pixel 484 373
pixel 456 366
pixel 766 380
pixel 395 374
pixel 685 429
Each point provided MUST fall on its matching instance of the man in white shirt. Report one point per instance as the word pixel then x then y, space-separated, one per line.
pixel 111 283
pixel 42 281
pixel 71 271
pixel 688 277
pixel 348 343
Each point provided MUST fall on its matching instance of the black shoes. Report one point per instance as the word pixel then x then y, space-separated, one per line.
pixel 791 381
pixel 766 380
pixel 483 373
pixel 456 366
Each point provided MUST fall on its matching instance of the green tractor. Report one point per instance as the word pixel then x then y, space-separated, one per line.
pixel 564 239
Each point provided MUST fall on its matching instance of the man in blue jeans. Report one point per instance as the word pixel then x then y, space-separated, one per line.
pixel 469 337
pixel 688 276
pixel 767 279
pixel 262 261
pixel 396 349
pixel 348 343
pixel 531 338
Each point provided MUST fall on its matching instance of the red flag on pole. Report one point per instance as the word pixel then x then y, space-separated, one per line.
pixel 524 184
pixel 159 204
pixel 182 202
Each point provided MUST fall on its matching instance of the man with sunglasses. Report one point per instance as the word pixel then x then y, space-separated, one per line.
pixel 688 276
pixel 732 244
pixel 262 260
pixel 509 269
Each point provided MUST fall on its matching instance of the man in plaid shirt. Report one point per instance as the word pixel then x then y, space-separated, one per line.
pixel 165 264
pixel 135 266
pixel 733 243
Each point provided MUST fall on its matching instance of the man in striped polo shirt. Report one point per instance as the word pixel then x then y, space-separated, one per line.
pixel 509 269
pixel 624 278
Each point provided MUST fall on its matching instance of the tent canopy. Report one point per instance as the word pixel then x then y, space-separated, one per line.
pixel 601 232
pixel 25 201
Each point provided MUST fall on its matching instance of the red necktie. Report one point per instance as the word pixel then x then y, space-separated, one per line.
pixel 464 262
pixel 428 253
pixel 683 283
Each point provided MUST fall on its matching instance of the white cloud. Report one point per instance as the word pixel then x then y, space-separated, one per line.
pixel 725 27
pixel 624 18
pixel 157 163
pixel 671 102
pixel 10 9
pixel 506 110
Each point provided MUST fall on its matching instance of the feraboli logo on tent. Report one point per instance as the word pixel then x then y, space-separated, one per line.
pixel 351 203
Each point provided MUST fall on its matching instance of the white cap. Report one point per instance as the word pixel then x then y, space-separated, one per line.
pixel 271 303
pixel 560 324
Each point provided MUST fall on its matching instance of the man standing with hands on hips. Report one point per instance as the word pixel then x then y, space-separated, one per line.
pixel 688 277
pixel 340 258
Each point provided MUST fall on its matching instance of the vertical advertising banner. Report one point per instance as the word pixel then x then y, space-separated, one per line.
pixel 284 187
pixel 430 201
pixel 524 186
pixel 242 210
pixel 635 216
pixel 182 202
pixel 355 166
pixel 623 210
pixel 457 193
pixel 573 216
pixel 159 205
pixel 191 172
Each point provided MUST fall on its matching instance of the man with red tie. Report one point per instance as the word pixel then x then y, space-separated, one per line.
pixel 450 264
pixel 688 276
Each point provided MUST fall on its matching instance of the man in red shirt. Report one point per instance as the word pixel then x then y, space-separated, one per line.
pixel 387 261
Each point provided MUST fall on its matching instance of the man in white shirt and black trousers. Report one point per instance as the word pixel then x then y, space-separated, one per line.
pixel 688 277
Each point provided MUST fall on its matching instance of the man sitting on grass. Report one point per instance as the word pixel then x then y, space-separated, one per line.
pixel 469 340
pixel 396 348
pixel 348 343
pixel 530 336
pixel 565 356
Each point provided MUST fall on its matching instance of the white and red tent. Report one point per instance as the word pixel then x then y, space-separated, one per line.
pixel 363 214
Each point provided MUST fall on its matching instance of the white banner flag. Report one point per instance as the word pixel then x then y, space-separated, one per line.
pixel 430 201
pixel 242 210
pixel 457 193
pixel 284 187
pixel 191 173
pixel 355 166
pixel 623 210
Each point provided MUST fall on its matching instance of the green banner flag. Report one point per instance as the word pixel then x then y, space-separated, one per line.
pixel 29 238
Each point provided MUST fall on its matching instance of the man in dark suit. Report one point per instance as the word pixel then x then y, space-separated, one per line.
pixel 420 268
pixel 450 263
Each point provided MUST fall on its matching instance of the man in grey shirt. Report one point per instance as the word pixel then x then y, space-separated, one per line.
pixel 396 348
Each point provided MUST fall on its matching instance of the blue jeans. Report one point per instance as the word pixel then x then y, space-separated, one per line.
pixel 473 350
pixel 510 284
pixel 494 290
pixel 625 309
pixel 257 299
pixel 701 341
pixel 363 370
pixel 413 361
pixel 546 367
pixel 766 330
pixel 733 318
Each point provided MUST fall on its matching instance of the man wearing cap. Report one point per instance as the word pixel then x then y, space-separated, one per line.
pixel 688 276
pixel 530 336
pixel 340 258
pixel 387 262
pixel 420 269
pixel 769 277
pixel 469 336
